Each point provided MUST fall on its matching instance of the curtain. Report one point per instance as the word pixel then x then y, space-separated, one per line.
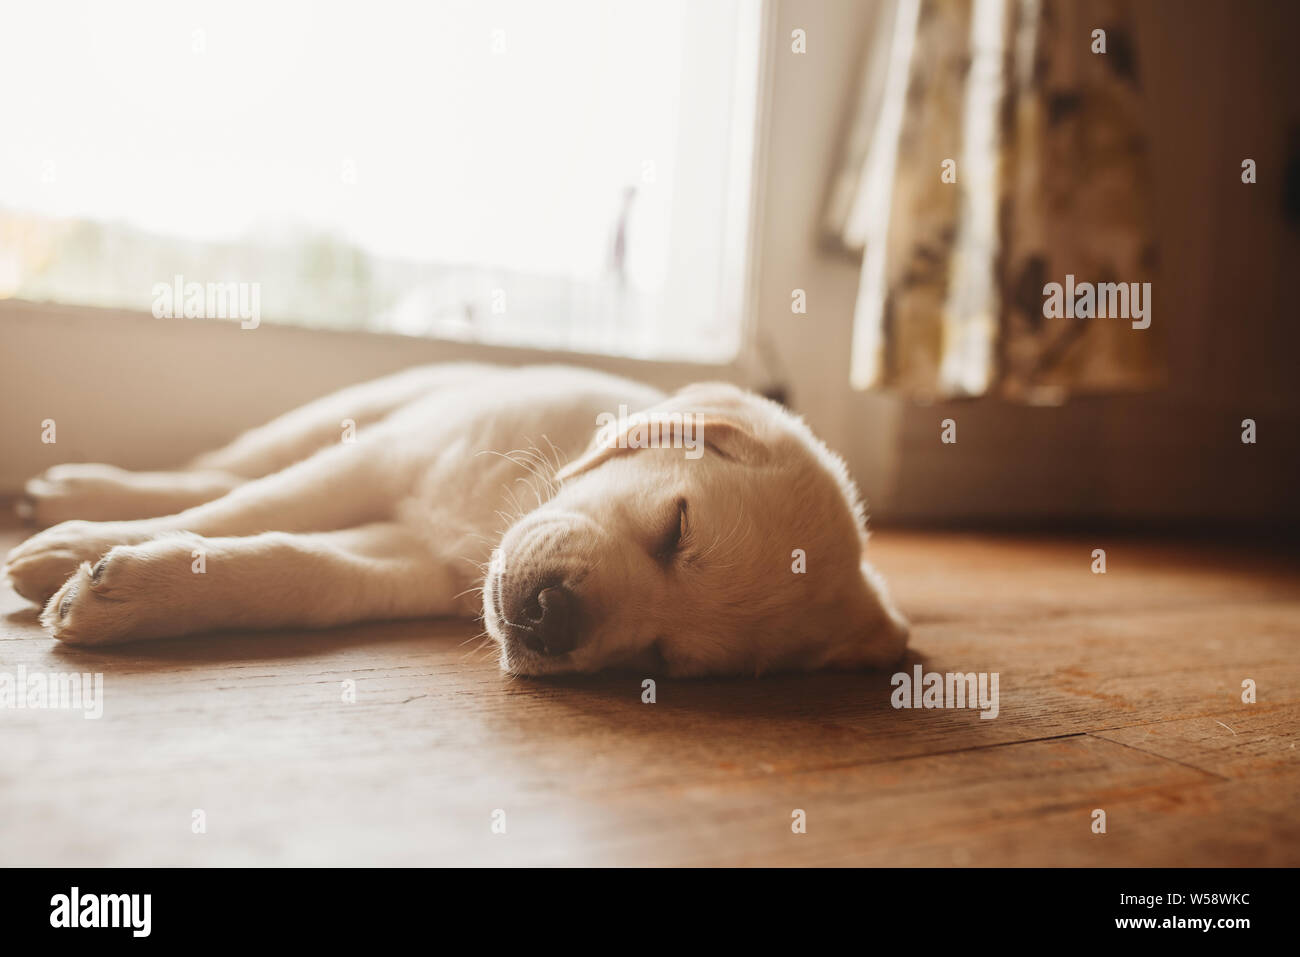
pixel 997 153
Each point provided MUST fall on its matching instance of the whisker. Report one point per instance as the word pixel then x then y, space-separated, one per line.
pixel 477 588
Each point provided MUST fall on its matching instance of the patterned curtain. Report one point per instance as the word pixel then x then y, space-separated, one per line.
pixel 999 149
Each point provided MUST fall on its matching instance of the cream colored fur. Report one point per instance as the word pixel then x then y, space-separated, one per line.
pixel 453 472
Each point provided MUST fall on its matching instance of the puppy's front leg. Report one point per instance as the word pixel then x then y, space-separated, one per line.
pixel 179 584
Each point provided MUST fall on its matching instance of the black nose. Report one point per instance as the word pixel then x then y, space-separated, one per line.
pixel 544 617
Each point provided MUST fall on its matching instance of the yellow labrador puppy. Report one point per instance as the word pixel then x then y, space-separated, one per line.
pixel 706 532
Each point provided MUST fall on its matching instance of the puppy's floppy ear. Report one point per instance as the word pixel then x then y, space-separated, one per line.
pixel 869 631
pixel 686 419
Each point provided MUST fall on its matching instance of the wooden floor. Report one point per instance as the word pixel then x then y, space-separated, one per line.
pixel 1119 692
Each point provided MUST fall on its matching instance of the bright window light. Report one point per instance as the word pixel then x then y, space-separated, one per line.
pixel 573 174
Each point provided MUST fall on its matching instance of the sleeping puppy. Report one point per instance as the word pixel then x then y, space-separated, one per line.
pixel 709 532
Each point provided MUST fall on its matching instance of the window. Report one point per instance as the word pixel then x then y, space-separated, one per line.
pixel 568 175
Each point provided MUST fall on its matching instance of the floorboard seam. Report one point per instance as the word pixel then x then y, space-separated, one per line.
pixel 1163 757
pixel 840 766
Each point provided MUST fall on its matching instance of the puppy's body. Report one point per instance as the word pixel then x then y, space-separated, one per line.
pixel 389 499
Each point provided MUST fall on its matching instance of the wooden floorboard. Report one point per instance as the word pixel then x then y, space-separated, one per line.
pixel 1119 691
pixel 1235 744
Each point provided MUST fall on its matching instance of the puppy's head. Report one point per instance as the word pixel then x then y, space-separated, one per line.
pixel 710 534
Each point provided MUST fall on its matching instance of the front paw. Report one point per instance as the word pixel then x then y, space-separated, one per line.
pixel 126 595
pixel 37 567
pixel 72 490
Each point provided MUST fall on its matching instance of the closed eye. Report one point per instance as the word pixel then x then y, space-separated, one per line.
pixel 670 543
